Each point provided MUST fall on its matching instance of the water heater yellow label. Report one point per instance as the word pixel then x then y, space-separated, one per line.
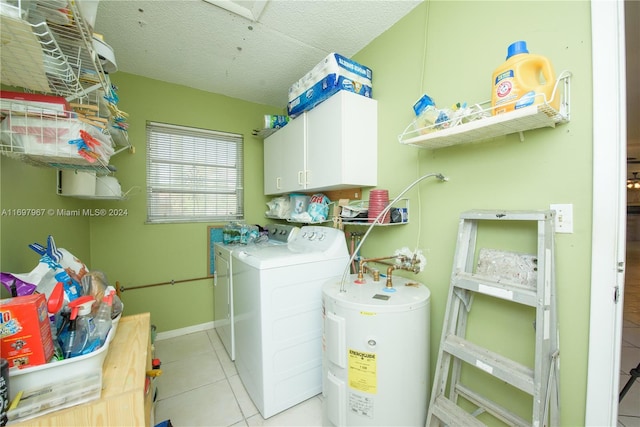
pixel 363 371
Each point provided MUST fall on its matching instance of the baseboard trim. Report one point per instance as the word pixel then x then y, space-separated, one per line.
pixel 183 331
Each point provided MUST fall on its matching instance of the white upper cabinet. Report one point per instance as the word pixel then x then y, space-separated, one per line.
pixel 284 158
pixel 333 146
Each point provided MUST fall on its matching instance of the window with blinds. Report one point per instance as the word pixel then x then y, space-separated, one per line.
pixel 193 175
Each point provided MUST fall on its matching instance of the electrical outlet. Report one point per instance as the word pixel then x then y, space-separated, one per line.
pixel 564 217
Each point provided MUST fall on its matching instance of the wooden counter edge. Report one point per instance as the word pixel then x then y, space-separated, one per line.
pixel 122 401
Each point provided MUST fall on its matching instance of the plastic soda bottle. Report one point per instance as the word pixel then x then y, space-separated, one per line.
pixel 102 319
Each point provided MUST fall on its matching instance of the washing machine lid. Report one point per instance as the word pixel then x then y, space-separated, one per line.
pixel 311 244
pixel 282 256
pixel 251 247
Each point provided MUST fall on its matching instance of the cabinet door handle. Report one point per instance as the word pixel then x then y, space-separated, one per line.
pixel 278 183
pixel 300 182
pixel 307 180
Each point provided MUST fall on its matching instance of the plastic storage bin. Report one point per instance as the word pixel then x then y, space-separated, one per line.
pixel 60 372
pixel 49 397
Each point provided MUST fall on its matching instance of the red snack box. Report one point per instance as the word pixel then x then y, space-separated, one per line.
pixel 32 102
pixel 25 332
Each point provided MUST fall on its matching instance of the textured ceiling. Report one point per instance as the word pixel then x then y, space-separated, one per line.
pixel 197 44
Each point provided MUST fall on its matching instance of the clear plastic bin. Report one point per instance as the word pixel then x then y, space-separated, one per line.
pixel 56 395
pixel 60 371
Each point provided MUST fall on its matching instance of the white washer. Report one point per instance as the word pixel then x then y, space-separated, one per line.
pixel 279 234
pixel 278 315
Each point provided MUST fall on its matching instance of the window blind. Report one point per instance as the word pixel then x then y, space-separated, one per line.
pixel 193 175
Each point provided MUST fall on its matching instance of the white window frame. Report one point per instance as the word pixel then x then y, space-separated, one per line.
pixel 193 175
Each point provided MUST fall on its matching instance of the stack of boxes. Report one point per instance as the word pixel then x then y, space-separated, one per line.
pixel 332 74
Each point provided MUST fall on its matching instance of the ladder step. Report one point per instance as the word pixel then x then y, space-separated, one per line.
pixel 492 407
pixel 452 415
pixel 507 215
pixel 499 289
pixel 492 363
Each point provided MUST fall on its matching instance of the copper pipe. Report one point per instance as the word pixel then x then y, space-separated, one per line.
pixel 363 268
pixel 172 282
pixel 380 260
pixel 392 266
pixel 389 271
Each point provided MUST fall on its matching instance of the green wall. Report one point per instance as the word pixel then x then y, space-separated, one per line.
pixel 31 211
pixel 447 49
pixel 137 254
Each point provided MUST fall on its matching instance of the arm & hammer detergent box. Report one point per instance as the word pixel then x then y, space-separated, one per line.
pixel 25 332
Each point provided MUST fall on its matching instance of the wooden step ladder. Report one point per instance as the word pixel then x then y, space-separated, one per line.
pixel 541 381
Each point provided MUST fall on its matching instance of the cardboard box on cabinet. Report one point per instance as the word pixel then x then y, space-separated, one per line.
pixel 333 74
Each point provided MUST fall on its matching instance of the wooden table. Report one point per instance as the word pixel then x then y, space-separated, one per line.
pixel 124 400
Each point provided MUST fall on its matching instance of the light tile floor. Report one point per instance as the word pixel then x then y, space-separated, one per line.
pixel 200 386
pixel 629 408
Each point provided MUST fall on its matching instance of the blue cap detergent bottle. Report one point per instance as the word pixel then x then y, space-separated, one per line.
pixel 524 79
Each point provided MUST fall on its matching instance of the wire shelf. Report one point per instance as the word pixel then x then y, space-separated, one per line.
pixel 264 133
pixel 481 125
pixel 50 57
pixel 41 138
pixel 47 49
pixel 403 206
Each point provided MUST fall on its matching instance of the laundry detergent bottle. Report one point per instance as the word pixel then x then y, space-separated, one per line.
pixel 524 79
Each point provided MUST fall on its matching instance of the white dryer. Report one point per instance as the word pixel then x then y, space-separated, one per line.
pixel 278 315
pixel 223 297
pixel 278 234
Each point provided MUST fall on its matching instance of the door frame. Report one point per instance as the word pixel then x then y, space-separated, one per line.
pixel 609 211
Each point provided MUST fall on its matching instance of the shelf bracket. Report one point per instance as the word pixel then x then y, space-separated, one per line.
pixel 521 133
pixel 128 147
pixel 84 93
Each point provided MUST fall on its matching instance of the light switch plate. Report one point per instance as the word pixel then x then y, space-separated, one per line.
pixel 564 217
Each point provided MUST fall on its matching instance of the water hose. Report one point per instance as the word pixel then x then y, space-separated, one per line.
pixel 343 283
